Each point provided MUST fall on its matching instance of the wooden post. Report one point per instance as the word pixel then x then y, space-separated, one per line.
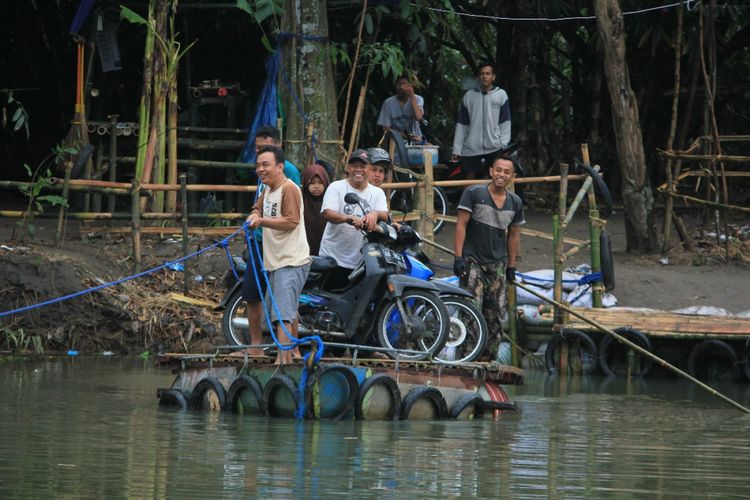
pixel 96 197
pixel 112 158
pixel 513 325
pixel 135 208
pixel 429 203
pixel 184 202
pixel 63 208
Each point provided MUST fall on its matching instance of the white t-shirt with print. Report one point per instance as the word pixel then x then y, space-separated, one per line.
pixel 343 242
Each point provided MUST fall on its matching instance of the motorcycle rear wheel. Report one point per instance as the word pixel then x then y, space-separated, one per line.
pixel 429 317
pixel 468 332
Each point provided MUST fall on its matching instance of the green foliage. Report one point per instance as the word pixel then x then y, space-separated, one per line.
pixel 40 179
pixel 388 57
pixel 171 47
pixel 261 11
pixel 20 117
pixel 17 341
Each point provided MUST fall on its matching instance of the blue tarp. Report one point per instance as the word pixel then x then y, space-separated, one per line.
pixel 267 110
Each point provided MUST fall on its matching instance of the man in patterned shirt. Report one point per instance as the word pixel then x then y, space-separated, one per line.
pixel 486 243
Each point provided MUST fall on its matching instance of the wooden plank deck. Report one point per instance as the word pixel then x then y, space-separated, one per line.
pixel 664 324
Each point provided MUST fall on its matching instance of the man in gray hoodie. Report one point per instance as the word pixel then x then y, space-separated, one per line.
pixel 483 124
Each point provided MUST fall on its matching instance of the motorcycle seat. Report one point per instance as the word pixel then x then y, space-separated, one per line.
pixel 321 264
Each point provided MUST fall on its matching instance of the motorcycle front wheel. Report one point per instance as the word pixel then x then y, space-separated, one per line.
pixel 234 322
pixel 429 321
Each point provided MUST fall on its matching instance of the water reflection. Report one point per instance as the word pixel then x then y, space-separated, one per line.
pixel 92 428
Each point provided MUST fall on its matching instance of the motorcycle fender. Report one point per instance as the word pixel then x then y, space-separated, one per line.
pixel 450 289
pixel 398 282
pixel 225 299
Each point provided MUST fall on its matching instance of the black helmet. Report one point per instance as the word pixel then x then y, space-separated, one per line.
pixel 379 155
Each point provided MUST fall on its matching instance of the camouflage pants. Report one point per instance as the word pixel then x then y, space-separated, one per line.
pixel 487 283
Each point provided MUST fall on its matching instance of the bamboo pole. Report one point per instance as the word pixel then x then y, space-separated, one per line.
pixel 135 207
pixel 144 110
pixel 201 163
pixel 177 230
pixel 63 208
pixel 112 160
pixel 595 230
pixel 558 224
pixel 635 346
pixel 96 197
pixel 171 205
pixel 185 229
pixel 355 63
pixel 429 202
pixel 714 157
pixel 714 204
pixel 672 131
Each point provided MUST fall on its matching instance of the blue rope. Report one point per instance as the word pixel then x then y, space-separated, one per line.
pixel 225 245
pixel 253 248
pixel 583 280
pixel 166 265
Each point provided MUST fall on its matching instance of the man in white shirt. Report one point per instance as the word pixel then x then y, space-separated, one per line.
pixel 343 238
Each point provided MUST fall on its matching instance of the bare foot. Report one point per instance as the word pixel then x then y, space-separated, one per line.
pixel 283 358
pixel 253 352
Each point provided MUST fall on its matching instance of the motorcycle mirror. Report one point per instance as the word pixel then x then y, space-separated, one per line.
pixel 351 198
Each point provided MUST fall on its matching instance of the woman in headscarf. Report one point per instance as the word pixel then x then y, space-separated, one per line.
pixel 315 181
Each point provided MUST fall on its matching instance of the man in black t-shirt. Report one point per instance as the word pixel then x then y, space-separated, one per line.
pixel 486 244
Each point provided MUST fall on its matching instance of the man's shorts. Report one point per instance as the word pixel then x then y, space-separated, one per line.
pixel 478 164
pixel 250 290
pixel 286 285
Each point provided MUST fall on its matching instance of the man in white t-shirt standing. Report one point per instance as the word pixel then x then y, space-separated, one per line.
pixel 343 238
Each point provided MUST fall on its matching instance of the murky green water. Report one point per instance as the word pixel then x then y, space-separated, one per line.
pixel 92 428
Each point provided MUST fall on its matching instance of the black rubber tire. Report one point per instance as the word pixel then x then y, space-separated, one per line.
pixel 400 155
pixel 462 306
pixel 241 384
pixel 232 335
pixel 717 347
pixel 279 382
pixel 468 401
pixel 402 200
pixel 746 360
pixel 173 398
pixel 372 382
pixel 571 335
pixel 431 394
pixel 606 260
pixel 351 380
pixel 430 348
pixel 601 187
pixel 203 386
pixel 609 343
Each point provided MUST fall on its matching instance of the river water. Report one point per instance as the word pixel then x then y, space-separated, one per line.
pixel 91 428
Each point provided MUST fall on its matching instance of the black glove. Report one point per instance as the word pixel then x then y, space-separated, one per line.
pixel 510 274
pixel 459 266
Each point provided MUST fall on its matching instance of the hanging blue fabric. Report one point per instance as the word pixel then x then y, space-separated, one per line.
pixel 84 9
pixel 266 111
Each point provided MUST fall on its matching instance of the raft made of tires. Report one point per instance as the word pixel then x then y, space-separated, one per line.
pixel 581 357
pixel 373 390
pixel 617 359
pixel 713 359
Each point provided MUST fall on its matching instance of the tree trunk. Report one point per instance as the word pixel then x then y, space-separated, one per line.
pixel 636 189
pixel 311 77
